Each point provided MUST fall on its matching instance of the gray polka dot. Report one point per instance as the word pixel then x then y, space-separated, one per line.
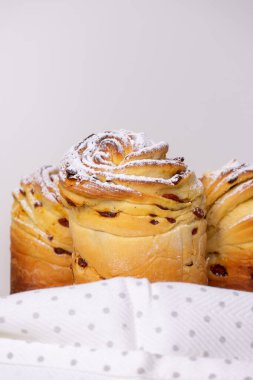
pixel 93 350
pixel 222 304
pixel 193 358
pixel 54 298
pixel 158 330
pixel 188 299
pixel 238 324
pixel 251 344
pixel 71 312
pixel 19 302
pixel 124 353
pixel 206 354
pixel 175 347
pixel 40 359
pixel 122 295
pixel 227 361
pixel 169 286
pixel 174 314
pixel 248 378
pixel 155 297
pixel 2 319
pixel 124 326
pixel 138 283
pixel 141 348
pixel 212 376
pixel 140 371
pixel 192 333
pixel 77 344
pixel 104 283
pixel 158 356
pixel 236 294
pixel 88 295
pixel 9 355
pixel 57 329
pixel 73 362
pixel 24 331
pixel 203 289
pixel 91 326
pixel 139 314
pixel 106 310
pixel 176 375
pixel 207 318
pixel 109 344
pixel 71 287
pixel 36 315
pixel 107 368
pixel 222 339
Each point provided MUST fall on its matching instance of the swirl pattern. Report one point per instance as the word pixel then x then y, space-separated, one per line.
pixel 229 193
pixel 133 211
pixel 124 164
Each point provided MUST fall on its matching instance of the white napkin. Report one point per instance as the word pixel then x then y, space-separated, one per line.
pixel 127 329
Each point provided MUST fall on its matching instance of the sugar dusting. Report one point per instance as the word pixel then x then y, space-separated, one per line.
pixel 108 154
pixel 47 178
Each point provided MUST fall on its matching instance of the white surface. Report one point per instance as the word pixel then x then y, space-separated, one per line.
pixel 127 329
pixel 179 70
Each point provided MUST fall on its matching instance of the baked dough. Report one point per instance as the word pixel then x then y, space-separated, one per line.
pixel 229 193
pixel 133 211
pixel 41 245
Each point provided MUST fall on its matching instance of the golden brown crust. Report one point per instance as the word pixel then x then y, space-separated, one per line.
pixel 229 193
pixel 41 245
pixel 133 211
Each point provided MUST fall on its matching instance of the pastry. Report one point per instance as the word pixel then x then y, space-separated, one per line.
pixel 41 245
pixel 229 196
pixel 132 210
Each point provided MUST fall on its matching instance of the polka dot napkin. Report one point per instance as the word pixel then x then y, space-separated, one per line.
pixel 127 329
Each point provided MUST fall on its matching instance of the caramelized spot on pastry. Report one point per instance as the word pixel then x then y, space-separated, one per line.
pixel 199 212
pixel 154 222
pixel 153 215
pixel 233 178
pixel 213 253
pixel 70 202
pixel 162 207
pixel 70 172
pixel 189 263
pixel 108 214
pixel 22 192
pixel 32 191
pixel 82 262
pixel 194 231
pixel 64 222
pixel 61 251
pixel 50 237
pixel 171 220
pixel 37 204
pixel 218 270
pixel 174 197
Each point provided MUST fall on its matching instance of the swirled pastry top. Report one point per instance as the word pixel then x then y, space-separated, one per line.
pixel 123 165
pixel 38 209
pixel 232 179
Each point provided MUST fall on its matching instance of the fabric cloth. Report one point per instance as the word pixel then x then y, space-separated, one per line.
pixel 126 328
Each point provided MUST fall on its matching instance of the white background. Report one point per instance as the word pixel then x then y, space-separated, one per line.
pixel 182 71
